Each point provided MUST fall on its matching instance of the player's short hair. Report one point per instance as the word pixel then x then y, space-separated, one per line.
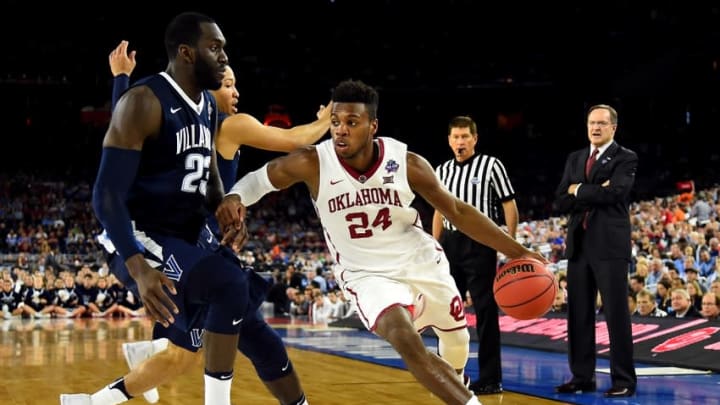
pixel 355 91
pixel 186 29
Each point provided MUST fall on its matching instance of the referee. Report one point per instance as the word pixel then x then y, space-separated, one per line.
pixel 481 181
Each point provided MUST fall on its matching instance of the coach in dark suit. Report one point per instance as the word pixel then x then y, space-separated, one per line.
pixel 594 191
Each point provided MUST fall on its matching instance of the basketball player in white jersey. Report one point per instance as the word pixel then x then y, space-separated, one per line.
pixel 395 272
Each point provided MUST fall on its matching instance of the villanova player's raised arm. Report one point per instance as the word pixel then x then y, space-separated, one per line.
pixel 122 65
pixel 244 129
pixel 466 218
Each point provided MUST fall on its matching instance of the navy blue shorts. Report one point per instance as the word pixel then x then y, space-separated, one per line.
pixel 191 338
pixel 213 289
pixel 258 342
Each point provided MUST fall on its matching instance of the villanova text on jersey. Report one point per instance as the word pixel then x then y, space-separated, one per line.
pixel 193 137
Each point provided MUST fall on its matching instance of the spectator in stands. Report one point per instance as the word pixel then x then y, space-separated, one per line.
pixel 701 210
pixel 714 276
pixel 337 306
pixel 710 306
pixel 321 308
pixel 559 303
pixel 695 293
pixel 637 284
pixel 298 280
pixel 706 263
pixel 714 245
pixel 332 284
pixel 677 257
pixel 682 305
pixel 677 282
pixel 655 273
pixel 632 302
pixel 299 304
pixel 647 306
pixel 691 276
pixel 688 261
pixel 318 281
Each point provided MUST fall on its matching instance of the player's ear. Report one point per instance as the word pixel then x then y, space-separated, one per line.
pixel 373 126
pixel 187 53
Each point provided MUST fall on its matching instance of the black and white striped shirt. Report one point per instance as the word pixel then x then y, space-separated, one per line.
pixel 481 182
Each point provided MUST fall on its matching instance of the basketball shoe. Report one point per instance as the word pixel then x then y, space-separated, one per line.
pixel 135 353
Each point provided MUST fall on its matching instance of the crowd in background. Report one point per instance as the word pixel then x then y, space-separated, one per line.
pixel 52 264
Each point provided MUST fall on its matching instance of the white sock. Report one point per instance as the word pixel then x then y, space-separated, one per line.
pixel 159 345
pixel 107 396
pixel 473 401
pixel 217 391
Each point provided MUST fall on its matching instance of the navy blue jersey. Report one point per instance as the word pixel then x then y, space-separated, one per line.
pixel 168 195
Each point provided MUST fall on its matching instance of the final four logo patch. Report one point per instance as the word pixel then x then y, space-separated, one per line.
pixel 392 166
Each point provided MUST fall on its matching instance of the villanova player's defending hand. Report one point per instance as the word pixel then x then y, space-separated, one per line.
pixel 235 234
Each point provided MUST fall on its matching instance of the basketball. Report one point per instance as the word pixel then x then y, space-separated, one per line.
pixel 524 288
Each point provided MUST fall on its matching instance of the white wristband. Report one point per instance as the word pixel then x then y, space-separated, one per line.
pixel 253 186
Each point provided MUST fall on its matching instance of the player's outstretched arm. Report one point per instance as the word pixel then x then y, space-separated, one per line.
pixel 299 166
pixel 244 129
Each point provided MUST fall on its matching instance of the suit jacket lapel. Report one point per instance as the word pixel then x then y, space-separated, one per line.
pixel 580 164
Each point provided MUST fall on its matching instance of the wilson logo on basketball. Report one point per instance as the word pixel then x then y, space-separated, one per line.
pixel 524 288
pixel 520 268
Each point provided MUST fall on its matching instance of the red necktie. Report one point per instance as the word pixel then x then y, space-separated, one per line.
pixel 590 162
pixel 588 166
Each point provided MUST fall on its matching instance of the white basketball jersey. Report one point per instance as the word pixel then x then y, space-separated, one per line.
pixel 368 222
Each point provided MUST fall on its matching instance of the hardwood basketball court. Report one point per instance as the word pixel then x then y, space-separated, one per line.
pixel 41 359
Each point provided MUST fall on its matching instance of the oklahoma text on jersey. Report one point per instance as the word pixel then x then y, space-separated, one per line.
pixel 365 196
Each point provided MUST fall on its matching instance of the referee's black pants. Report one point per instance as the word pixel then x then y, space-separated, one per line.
pixel 473 266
